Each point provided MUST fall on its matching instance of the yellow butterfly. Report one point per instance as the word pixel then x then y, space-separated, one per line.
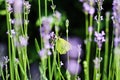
pixel 62 46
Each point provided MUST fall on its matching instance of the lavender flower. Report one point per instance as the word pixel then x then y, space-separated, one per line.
pixel 57 15
pixel 42 53
pixel 46 26
pixel 73 67
pixel 10 1
pixel 88 6
pixel 23 40
pixel 27 7
pixel 99 38
pixel 12 33
pixel 97 62
pixel 90 29
pixel 18 6
pixel 76 50
pixel 9 8
pixel 116 21
pixel 91 11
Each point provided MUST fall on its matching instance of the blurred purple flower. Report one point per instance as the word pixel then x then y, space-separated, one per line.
pixel 75 51
pixel 57 15
pixel 23 40
pixel 90 29
pixel 18 6
pixel 116 21
pixel 42 53
pixel 73 67
pixel 86 7
pixel 91 10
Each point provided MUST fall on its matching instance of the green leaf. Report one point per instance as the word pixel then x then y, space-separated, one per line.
pixel 37 45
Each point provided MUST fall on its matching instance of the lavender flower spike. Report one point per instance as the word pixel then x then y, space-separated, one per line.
pixel 99 38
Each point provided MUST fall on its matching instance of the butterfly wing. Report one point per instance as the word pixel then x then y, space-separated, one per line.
pixel 62 46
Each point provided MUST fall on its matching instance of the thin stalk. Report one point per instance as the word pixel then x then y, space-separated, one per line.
pixel 67 26
pixel 39 13
pixel 87 45
pixel 106 49
pixel 49 67
pixel 9 42
pixel 46 8
pixel 2 75
pixel 54 63
pixel 99 58
pixel 99 16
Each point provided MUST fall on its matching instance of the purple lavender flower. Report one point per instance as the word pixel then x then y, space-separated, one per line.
pixel 23 40
pixel 18 6
pixel 97 62
pixel 10 1
pixel 90 29
pixel 76 50
pixel 57 15
pixel 116 21
pixel 9 8
pixel 86 7
pixel 27 6
pixel 91 11
pixel 73 67
pixel 99 38
pixel 42 53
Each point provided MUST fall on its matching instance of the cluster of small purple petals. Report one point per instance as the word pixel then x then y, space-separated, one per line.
pixel 46 26
pixel 23 40
pixel 18 6
pixel 100 2
pixel 57 15
pixel 96 18
pixel 12 33
pixel 88 6
pixel 10 9
pixel 73 67
pixel 90 29
pixel 47 37
pixel 12 21
pixel 89 9
pixel 27 6
pixel 10 1
pixel 97 62
pixel 99 38
pixel 116 21
pixel 44 53
pixel 4 61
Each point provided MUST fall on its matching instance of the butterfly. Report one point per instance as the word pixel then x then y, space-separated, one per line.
pixel 62 46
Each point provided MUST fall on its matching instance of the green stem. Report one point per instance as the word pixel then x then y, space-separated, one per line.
pixel 87 46
pixel 2 75
pixel 9 42
pixel 39 12
pixel 46 8
pixel 106 49
pixel 49 67
pixel 99 17
pixel 54 63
